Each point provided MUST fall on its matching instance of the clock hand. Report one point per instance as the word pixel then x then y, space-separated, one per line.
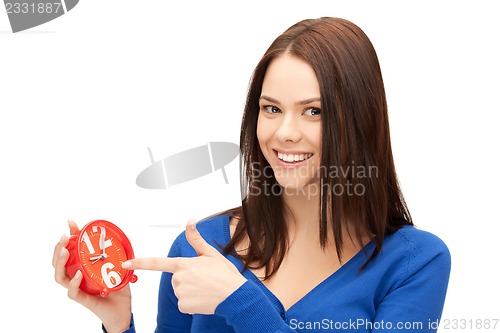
pixel 96 257
pixel 102 245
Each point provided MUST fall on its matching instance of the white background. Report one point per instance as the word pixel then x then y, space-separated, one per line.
pixel 83 96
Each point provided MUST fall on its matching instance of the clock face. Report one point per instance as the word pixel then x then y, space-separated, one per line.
pixel 102 253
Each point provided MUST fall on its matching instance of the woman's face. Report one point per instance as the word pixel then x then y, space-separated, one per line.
pixel 289 123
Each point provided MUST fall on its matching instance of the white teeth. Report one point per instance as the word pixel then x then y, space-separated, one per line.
pixel 293 157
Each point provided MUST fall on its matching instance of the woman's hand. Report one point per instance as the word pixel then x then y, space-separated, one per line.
pixel 114 310
pixel 200 283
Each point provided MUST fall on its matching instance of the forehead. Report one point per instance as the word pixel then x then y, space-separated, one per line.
pixel 290 78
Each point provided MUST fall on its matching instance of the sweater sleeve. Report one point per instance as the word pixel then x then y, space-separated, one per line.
pixel 248 310
pixel 169 319
pixel 131 329
pixel 416 303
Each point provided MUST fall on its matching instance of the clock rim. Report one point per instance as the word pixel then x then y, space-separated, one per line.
pixel 129 276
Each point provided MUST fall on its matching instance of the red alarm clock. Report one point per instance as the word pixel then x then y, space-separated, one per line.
pixel 98 251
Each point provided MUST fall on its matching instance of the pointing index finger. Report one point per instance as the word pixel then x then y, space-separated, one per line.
pixel 154 264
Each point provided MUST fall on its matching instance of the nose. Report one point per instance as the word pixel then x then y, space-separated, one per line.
pixel 289 128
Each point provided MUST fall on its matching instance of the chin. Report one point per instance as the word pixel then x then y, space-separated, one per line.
pixel 307 187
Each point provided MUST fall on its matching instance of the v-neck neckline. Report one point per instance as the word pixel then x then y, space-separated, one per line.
pixel 353 263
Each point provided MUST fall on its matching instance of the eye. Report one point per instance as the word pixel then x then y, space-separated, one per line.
pixel 271 109
pixel 314 112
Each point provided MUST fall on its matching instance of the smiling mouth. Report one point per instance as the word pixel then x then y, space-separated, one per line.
pixel 293 158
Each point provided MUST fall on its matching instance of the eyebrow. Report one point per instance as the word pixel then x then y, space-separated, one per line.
pixel 303 102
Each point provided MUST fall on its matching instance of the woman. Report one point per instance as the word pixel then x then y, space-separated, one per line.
pixel 323 239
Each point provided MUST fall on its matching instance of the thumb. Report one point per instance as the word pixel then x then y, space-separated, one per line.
pixel 195 239
pixel 73 228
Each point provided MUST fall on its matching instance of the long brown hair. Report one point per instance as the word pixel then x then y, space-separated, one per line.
pixel 355 137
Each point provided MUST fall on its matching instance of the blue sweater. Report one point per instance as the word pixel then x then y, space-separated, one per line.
pixel 402 290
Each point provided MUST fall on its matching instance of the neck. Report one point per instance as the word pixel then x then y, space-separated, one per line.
pixel 302 212
pixel 302 218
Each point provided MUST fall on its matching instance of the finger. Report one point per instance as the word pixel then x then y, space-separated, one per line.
pixel 154 264
pixel 76 294
pixel 57 249
pixel 60 267
pixel 74 286
pixel 199 244
pixel 73 228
